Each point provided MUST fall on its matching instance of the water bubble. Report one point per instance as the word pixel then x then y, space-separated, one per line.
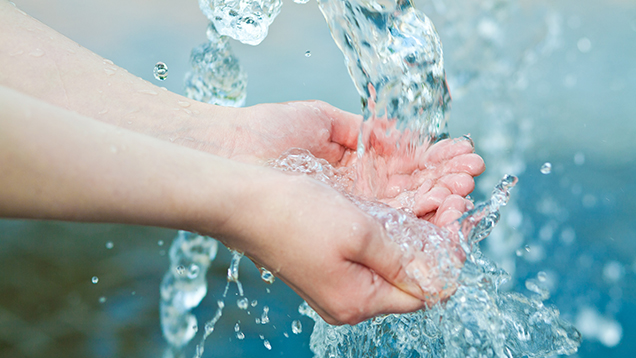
pixel 102 299
pixel 95 279
pixel 242 303
pixel 160 242
pixel 613 272
pixel 546 168
pixel 180 270
pixel 160 71
pixel 266 275
pixel 307 53
pixel 584 45
pixel 297 327
pixel 109 245
pixel 267 345
pixel 193 271
pixel 254 303
pixel 579 158
pixel 527 248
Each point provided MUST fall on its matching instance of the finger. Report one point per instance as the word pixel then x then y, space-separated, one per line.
pixel 345 126
pixel 451 209
pixel 377 252
pixel 390 299
pixel 470 163
pixel 447 149
pixel 429 200
pixel 460 183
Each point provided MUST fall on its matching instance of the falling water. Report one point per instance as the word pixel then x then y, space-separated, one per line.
pixel 395 59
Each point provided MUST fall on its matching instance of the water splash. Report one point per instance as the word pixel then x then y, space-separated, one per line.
pixel 181 292
pixel 477 320
pixel 394 57
pixel 216 76
pixel 243 20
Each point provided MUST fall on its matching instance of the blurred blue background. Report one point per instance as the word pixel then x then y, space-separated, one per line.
pixel 532 82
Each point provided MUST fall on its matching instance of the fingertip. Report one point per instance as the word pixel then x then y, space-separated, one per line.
pixel 458 183
pixel 397 301
pixel 430 200
pixel 449 148
pixel 451 209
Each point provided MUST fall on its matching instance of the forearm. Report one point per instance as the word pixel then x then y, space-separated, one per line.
pixel 56 164
pixel 44 64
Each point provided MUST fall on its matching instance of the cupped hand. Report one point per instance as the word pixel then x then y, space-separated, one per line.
pixel 431 182
pixel 336 257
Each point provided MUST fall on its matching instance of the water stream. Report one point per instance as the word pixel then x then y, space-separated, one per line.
pixel 394 56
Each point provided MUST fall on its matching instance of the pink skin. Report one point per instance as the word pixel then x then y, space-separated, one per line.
pixel 440 179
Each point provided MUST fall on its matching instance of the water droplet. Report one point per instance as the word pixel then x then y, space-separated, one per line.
pixel 110 71
pixel 237 327
pixel 195 328
pixel 180 270
pixel 102 299
pixel 266 275
pixel 264 317
pixel 108 62
pixel 546 168
pixel 542 276
pixel 519 253
pixel 160 71
pixel 257 320
pixel 240 335
pixel 308 53
pixel 285 334
pixel 109 245
pixel 103 111
pixel 242 303
pixel 267 345
pixel 16 53
pixel 38 52
pixel 133 293
pixel 95 279
pixel 160 242
pixel 297 327
pixel 254 303
pixel 193 271
pixel 301 1
pixel 527 248
pixel 184 104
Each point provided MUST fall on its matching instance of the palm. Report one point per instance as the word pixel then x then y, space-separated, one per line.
pixel 433 186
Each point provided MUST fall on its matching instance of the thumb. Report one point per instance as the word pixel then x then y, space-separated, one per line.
pixel 428 274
